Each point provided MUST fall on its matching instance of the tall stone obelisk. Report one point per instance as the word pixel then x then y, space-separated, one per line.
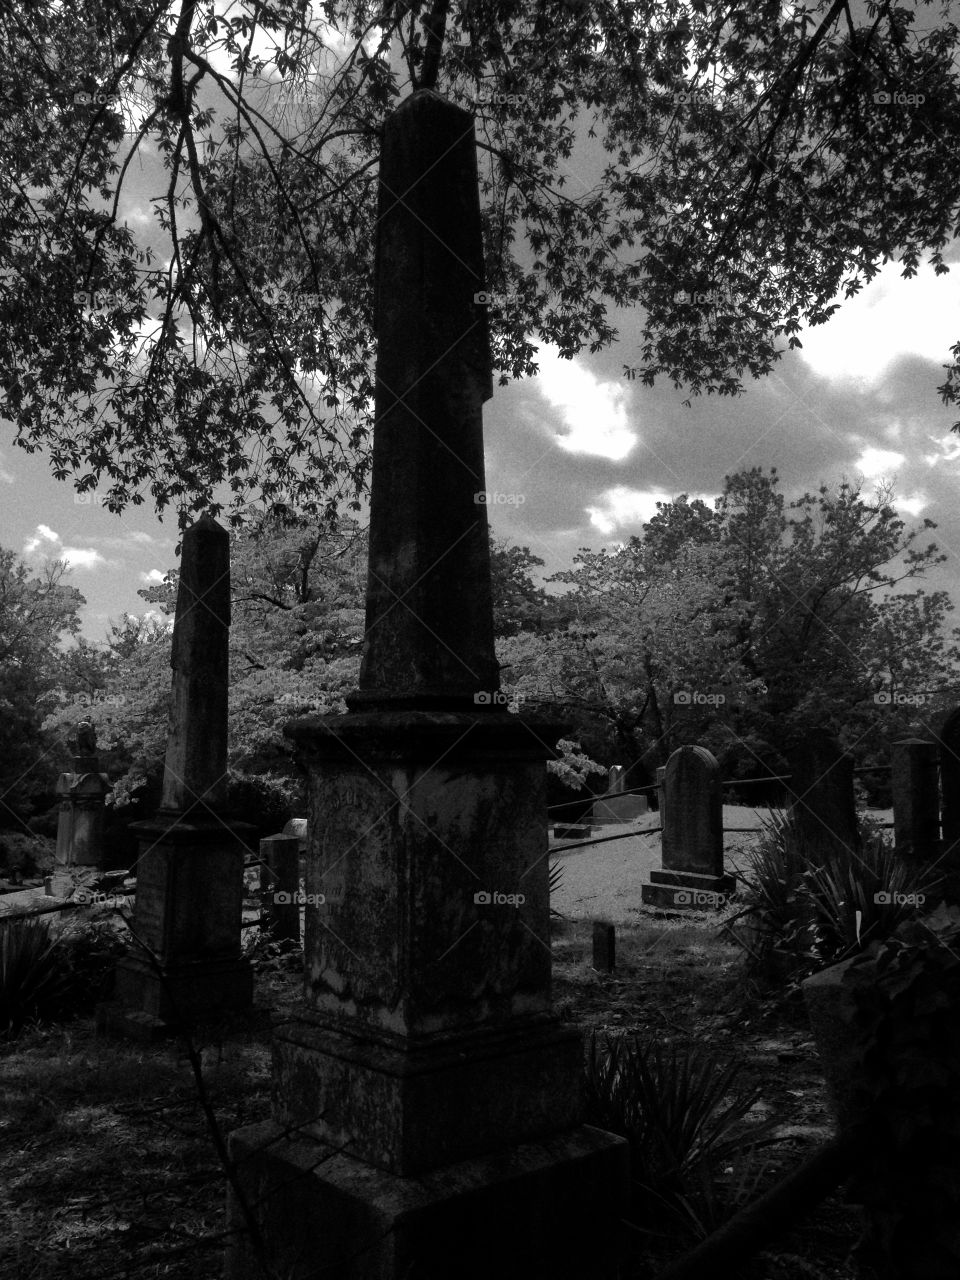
pixel 189 895
pixel 426 1098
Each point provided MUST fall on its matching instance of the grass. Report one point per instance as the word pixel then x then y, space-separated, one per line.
pixel 107 1169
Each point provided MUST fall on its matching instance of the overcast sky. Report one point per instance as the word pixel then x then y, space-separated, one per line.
pixel 579 455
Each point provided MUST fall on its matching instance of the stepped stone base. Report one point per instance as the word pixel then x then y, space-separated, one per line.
pixel 607 813
pixel 150 1005
pixel 686 890
pixel 549 1210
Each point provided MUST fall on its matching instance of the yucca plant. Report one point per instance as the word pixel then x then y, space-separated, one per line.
pixel 682 1112
pixel 775 924
pixel 843 892
pixel 555 877
pixel 808 904
pixel 34 981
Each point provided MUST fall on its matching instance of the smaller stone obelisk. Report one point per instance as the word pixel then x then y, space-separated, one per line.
pixel 189 896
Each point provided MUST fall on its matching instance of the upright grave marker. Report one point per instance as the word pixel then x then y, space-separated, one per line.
pixel 916 799
pixel 280 887
pixel 426 1116
pixel 83 794
pixel 823 804
pixel 692 874
pixel 617 807
pixel 949 740
pixel 189 896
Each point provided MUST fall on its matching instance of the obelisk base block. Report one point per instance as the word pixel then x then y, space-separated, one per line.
pixel 549 1210
pixel 184 964
pixel 412 1109
pixel 686 890
pixel 152 1004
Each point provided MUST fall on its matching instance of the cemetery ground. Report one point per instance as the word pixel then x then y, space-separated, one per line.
pixel 108 1150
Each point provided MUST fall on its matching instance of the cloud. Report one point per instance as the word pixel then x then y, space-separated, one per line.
pixel 890 318
pixel 593 412
pixel 879 464
pixel 154 575
pixel 82 557
pixel 7 477
pixel 50 545
pixel 44 534
pixel 139 536
pixel 912 506
pixel 623 506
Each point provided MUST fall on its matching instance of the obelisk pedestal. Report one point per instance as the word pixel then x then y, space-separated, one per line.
pixel 426 1101
pixel 186 964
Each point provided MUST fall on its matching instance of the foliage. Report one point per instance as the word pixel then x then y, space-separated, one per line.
pixel 25 854
pixel 682 1113
pixel 743 626
pixel 87 953
pixel 572 766
pixel 33 981
pixel 519 603
pixel 223 335
pixel 806 905
pixel 36 613
pixel 902 1035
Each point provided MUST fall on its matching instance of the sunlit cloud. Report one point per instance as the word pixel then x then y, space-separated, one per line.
pixel 593 412
pixel 154 575
pixel 913 505
pixel 878 464
pixel 623 507
pixel 891 317
pixel 48 543
pixel 43 534
pixel 81 557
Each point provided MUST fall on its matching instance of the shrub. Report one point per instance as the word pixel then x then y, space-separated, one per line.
pixel 683 1115
pixel 26 852
pixel 555 877
pixel 34 984
pixel 807 905
pixel 88 955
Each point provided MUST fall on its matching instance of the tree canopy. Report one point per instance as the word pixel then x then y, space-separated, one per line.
pixel 187 207
pixel 37 612
pixel 745 626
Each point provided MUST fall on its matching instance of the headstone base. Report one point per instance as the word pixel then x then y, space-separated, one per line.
pixel 425 1106
pixel 549 1210
pixel 686 890
pixel 572 831
pixel 618 809
pixel 150 1004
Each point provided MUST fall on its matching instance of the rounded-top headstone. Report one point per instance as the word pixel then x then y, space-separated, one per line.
pixel 693 813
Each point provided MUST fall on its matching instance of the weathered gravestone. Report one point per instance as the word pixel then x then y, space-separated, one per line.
pixel 617 807
pixel 604 946
pixel 426 1115
pixel 189 895
pixel 949 864
pixel 823 805
pixel 297 827
pixel 915 784
pixel 884 1026
pixel 83 793
pixel 692 874
pixel 661 797
pixel 280 887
